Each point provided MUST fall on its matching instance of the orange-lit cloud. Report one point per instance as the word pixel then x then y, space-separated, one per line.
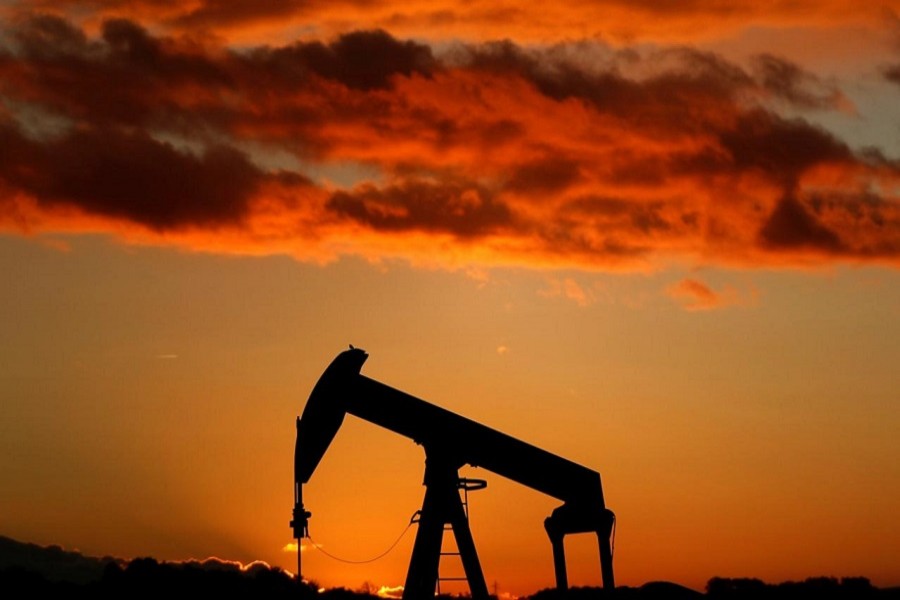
pixel 621 20
pixel 577 155
pixel 569 289
pixel 694 295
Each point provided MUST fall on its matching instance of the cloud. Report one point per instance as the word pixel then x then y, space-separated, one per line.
pixel 787 81
pixel 694 295
pixel 791 225
pixel 360 60
pixel 465 155
pixel 569 289
pixel 622 20
pixel 458 208
pixel 892 73
pixel 130 176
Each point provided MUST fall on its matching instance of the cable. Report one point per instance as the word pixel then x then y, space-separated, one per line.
pixel 368 560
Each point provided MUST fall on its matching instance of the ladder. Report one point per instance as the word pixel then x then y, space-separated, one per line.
pixel 466 485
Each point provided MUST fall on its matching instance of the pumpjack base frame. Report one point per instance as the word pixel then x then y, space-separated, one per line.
pixel 441 506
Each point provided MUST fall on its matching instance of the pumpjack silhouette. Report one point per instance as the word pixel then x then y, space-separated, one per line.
pixel 450 441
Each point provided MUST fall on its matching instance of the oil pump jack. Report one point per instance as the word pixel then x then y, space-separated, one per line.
pixel 450 441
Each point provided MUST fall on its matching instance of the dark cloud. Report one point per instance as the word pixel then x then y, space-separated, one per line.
pixel 465 211
pixel 683 71
pixel 787 81
pixel 792 226
pixel 688 92
pixel 892 74
pixel 866 224
pixel 547 176
pixel 211 13
pixel 361 60
pixel 625 215
pixel 556 78
pixel 127 76
pixel 131 176
pixel 49 37
pixel 130 41
pixel 779 147
pixel 130 77
pixel 141 61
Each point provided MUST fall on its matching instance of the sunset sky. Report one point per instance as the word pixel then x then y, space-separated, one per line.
pixel 660 239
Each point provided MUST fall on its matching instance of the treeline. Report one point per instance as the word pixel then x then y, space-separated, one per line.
pixel 145 577
pixel 826 588
pixel 32 571
pixel 148 578
pixel 720 588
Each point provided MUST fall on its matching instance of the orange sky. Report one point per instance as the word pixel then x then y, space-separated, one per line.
pixel 662 242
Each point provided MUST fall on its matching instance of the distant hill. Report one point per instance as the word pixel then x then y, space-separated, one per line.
pixel 27 570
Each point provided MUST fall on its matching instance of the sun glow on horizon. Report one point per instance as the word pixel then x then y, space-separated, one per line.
pixel 386 591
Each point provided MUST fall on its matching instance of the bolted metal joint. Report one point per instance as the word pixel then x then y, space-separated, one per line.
pixel 300 523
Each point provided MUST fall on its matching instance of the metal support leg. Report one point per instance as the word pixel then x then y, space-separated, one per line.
pixel 606 560
pixel 441 505
pixel 467 552
pixel 559 555
pixel 426 554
